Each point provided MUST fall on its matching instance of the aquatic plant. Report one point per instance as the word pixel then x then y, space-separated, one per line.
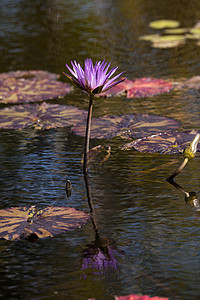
pixel 31 223
pixel 31 86
pixel 93 79
pixel 188 154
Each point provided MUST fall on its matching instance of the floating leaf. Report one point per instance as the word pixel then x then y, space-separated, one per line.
pixel 149 37
pixel 164 143
pixel 160 24
pixel 192 83
pixel 29 86
pixel 195 31
pixel 177 30
pixel 43 116
pixel 139 88
pixel 194 36
pixel 168 41
pixel 24 222
pixel 127 126
pixel 139 297
pixel 146 87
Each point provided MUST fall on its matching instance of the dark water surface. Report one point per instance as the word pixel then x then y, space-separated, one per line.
pixel 156 235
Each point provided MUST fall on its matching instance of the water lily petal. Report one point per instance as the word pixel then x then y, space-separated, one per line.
pixel 93 79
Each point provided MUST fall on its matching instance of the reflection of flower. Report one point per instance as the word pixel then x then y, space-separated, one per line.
pixel 94 79
pixel 99 257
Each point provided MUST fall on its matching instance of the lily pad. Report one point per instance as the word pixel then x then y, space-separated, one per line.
pixel 164 143
pixel 25 222
pixel 127 126
pixel 160 24
pixel 139 297
pixel 149 37
pixel 177 30
pixel 191 83
pixel 146 87
pixel 195 31
pixel 43 116
pixel 30 86
pixel 194 36
pixel 139 88
pixel 168 41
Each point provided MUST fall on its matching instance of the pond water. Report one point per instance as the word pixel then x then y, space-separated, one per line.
pixel 155 235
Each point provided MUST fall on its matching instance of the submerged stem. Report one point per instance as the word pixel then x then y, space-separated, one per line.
pixel 178 187
pixel 89 197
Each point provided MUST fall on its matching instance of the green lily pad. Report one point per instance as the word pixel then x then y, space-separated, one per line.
pixel 126 126
pixel 30 86
pixel 43 116
pixel 30 223
pixel 164 143
pixel 160 24
pixel 195 30
pixel 194 36
pixel 149 37
pixel 175 31
pixel 168 41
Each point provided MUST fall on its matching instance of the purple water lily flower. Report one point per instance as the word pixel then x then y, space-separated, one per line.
pixel 94 79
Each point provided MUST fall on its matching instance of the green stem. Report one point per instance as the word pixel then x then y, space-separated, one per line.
pixel 85 159
pixel 87 133
pixel 170 178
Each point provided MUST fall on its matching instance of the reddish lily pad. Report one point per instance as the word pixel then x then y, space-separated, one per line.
pixel 127 126
pixel 29 86
pixel 164 143
pixel 139 88
pixel 43 116
pixel 28 222
pixel 139 297
pixel 146 87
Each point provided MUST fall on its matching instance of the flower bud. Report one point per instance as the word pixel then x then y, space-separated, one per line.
pixel 191 149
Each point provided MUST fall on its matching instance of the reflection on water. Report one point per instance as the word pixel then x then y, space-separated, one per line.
pixel 146 217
